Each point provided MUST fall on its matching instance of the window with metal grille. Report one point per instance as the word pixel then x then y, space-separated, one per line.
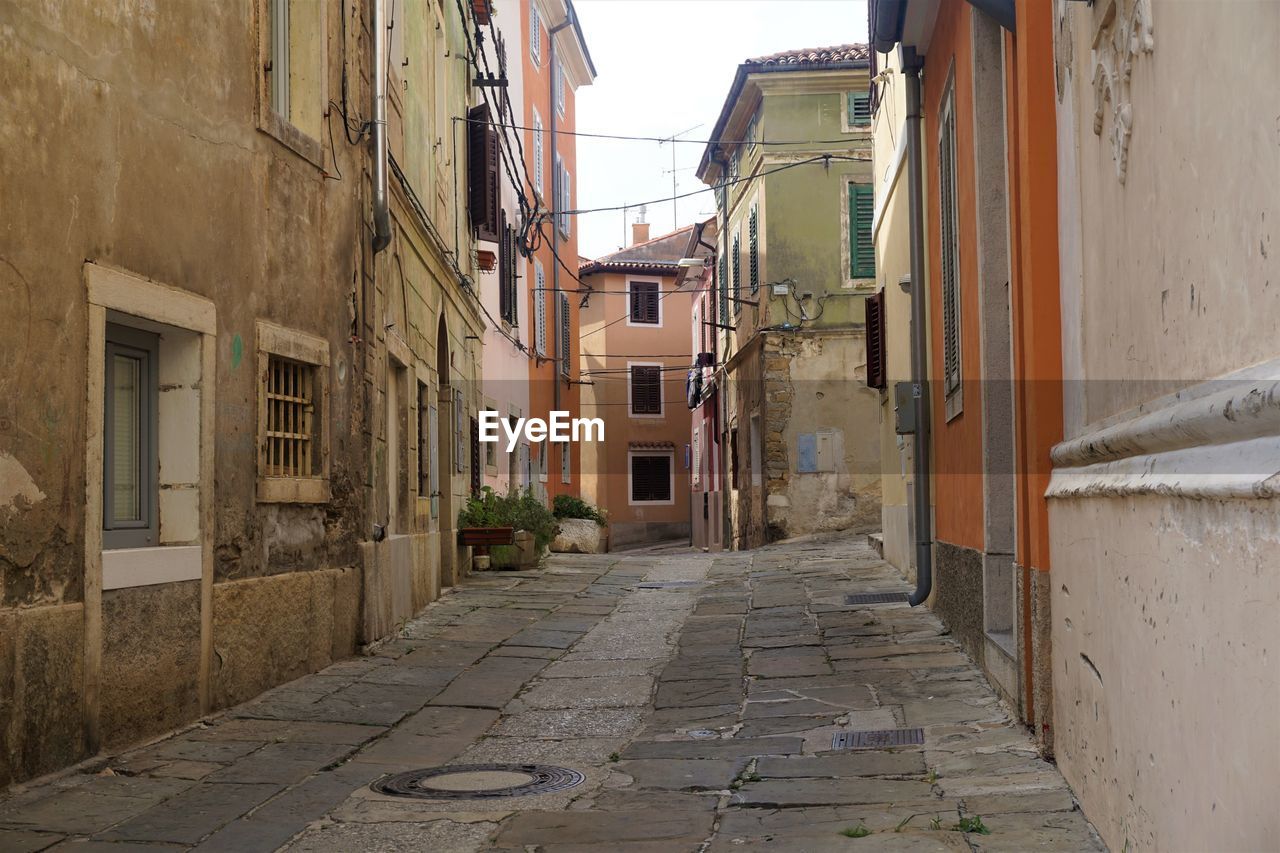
pixel 566 463
pixel 644 302
pixel 737 272
pixel 539 309
pixel 876 373
pixel 646 389
pixel 289 448
pixel 651 479
pixel 564 349
pixel 753 248
pixel 950 251
pixel 862 248
pixel 859 108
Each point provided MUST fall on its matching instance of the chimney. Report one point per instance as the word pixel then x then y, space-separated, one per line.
pixel 639 232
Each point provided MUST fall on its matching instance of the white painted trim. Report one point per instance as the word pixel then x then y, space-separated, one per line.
pixel 130 567
pixel 140 297
pixel 671 454
pixel 642 279
pixel 662 404
pixel 889 182
pixel 1212 443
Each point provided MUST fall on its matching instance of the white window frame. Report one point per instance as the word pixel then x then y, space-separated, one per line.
pixel 662 404
pixel 631 455
pixel 273 116
pixel 645 280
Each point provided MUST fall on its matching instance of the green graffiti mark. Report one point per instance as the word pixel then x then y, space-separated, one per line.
pixel 237 351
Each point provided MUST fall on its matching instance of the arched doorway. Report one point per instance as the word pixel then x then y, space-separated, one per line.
pixel 442 464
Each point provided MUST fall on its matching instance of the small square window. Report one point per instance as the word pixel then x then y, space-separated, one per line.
pixel 293 464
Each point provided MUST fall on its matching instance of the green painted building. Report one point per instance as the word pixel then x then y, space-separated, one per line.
pixel 795 262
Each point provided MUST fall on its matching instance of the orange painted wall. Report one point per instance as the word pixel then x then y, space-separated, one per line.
pixel 957 445
pixel 542 377
pixel 1037 306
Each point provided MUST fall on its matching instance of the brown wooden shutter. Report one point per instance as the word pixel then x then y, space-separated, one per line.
pixel 646 390
pixel 644 302
pixel 475 457
pixel 877 375
pixel 482 173
pixel 651 478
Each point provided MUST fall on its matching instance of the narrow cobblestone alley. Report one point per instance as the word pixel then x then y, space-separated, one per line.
pixel 697 695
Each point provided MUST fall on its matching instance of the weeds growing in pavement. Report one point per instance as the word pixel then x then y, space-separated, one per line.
pixel 859 831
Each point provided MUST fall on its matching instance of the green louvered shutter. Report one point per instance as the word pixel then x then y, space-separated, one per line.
pixel 753 249
pixel 722 285
pixel 859 109
pixel 862 249
pixel 737 272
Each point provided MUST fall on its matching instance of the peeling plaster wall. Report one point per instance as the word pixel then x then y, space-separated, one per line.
pixel 131 138
pixel 1162 511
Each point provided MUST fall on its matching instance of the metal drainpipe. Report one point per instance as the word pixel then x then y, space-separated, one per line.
pixel 381 211
pixel 561 357
pixel 911 64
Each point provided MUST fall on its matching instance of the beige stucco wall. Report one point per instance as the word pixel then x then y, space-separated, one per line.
pixel 1164 539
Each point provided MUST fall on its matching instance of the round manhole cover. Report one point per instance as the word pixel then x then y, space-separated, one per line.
pixel 478 781
pixel 702 734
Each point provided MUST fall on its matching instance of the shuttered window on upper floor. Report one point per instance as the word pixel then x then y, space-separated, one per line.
pixel 539 309
pixel 859 107
pixel 877 376
pixel 483 193
pixel 950 251
pixel 722 284
pixel 862 248
pixel 646 389
pixel 737 272
pixel 507 277
pixel 644 298
pixel 753 248
pixel 563 349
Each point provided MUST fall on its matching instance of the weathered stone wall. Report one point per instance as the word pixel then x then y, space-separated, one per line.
pixel 151 158
pixel 814 386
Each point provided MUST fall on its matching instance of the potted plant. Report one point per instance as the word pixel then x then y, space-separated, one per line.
pixel 513 529
pixel 581 526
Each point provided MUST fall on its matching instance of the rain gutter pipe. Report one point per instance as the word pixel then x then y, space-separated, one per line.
pixel 911 64
pixel 381 210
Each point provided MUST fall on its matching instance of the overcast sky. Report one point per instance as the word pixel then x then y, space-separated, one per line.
pixel 665 66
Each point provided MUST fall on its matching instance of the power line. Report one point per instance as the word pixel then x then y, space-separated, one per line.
pixel 722 142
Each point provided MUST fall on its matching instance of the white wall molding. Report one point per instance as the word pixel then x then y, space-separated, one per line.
pixel 1219 440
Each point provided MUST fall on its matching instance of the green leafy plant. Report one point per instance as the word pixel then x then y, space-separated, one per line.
pixel 972 823
pixel 859 831
pixel 614 757
pixel 570 506
pixel 935 823
pixel 520 510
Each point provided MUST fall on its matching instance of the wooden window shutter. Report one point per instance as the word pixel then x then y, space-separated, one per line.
pixel 862 247
pixel 722 284
pixel 950 257
pixel 737 272
pixel 753 249
pixel 651 478
pixel 859 109
pixel 482 173
pixel 876 367
pixel 646 390
pixel 565 347
pixel 475 457
pixel 644 302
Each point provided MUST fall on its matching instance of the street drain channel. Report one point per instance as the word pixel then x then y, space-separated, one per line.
pixel 881 739
pixel 478 781
pixel 877 598
pixel 668 584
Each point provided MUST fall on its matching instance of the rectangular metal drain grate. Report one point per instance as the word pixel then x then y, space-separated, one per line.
pixel 882 739
pixel 877 598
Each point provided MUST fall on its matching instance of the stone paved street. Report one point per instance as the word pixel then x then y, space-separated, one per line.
pixel 701 715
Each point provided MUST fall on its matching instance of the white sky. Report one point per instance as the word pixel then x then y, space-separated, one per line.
pixel 664 66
